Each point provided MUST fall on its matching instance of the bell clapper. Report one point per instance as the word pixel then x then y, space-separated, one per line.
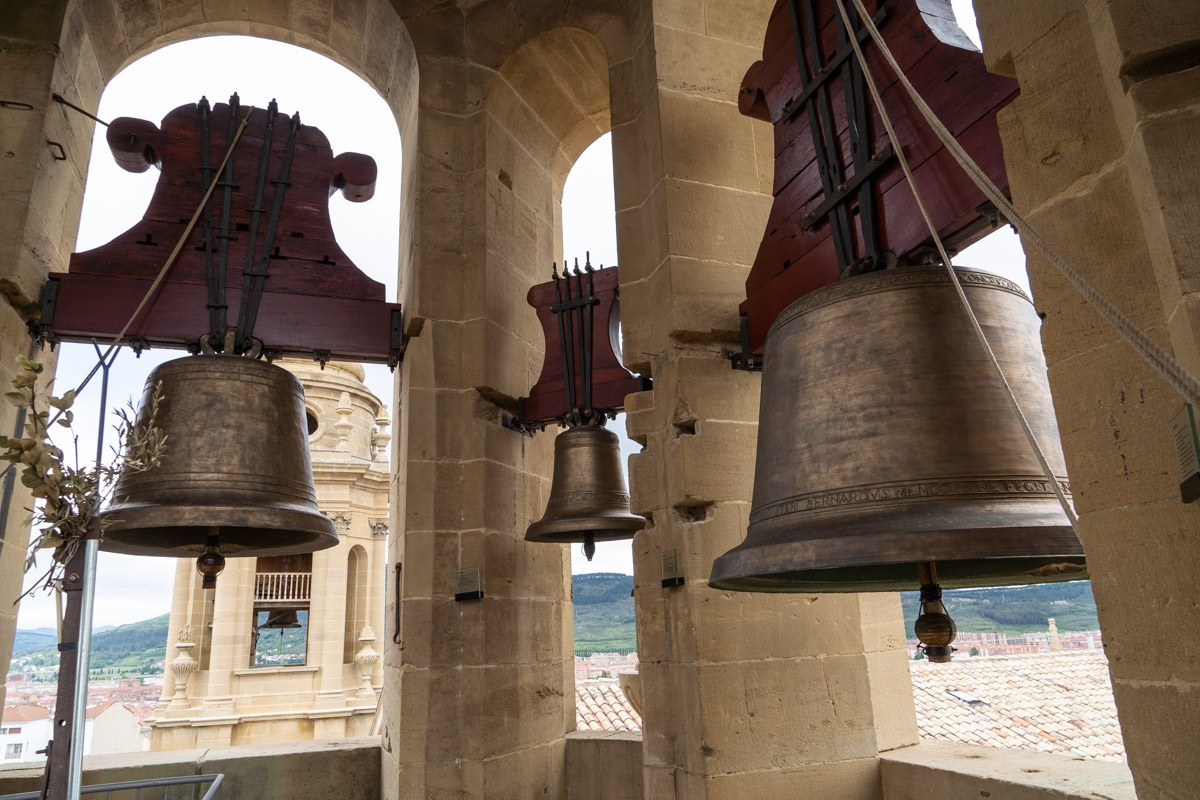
pixel 589 545
pixel 211 563
pixel 934 627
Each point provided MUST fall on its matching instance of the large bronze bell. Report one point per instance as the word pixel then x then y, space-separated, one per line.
pixel 886 440
pixel 588 502
pixel 236 473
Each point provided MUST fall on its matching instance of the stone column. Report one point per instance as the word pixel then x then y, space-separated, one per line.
pixel 1104 166
pixel 475 703
pixel 379 580
pixel 39 214
pixel 743 694
pixel 232 618
pixel 327 620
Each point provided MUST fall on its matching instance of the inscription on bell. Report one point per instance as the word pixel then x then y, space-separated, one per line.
pixel 876 494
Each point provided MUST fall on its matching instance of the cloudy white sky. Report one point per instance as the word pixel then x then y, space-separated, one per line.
pixel 354 118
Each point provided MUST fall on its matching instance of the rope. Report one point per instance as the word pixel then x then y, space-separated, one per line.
pixel 1180 379
pixel 979 334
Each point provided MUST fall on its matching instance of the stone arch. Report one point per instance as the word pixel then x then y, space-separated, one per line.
pixel 547 102
pixel 100 38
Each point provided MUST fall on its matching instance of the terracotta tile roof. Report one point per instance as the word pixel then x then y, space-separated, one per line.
pixel 25 713
pixel 1051 702
pixel 600 705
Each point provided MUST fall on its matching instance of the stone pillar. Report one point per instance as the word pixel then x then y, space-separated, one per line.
pixel 39 214
pixel 233 616
pixel 476 702
pixel 1104 166
pixel 327 623
pixel 379 579
pixel 743 694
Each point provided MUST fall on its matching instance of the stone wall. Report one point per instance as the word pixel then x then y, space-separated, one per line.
pixel 347 770
pixel 1103 165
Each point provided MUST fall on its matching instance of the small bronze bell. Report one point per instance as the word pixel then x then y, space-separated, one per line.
pixel 886 440
pixel 235 480
pixel 283 619
pixel 588 502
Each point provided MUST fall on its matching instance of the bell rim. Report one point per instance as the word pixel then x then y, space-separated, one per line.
pixel 568 531
pixel 867 556
pixel 168 530
pixel 969 573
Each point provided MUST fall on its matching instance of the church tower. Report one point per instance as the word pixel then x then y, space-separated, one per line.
pixel 285 648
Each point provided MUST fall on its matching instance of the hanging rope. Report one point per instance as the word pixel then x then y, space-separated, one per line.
pixel 1180 379
pixel 1012 398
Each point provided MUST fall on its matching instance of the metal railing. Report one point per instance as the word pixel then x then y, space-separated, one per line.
pixel 282 587
pixel 196 782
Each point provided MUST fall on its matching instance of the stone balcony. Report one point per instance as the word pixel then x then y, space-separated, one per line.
pixel 600 766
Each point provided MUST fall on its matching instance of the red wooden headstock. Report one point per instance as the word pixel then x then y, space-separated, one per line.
pixel 793 260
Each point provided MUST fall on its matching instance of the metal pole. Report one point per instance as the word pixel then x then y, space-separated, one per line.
pixel 87 600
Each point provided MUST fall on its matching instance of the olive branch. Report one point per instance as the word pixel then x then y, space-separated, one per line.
pixel 68 497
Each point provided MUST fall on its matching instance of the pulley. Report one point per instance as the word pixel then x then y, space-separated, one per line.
pixel 588 501
pixel 236 478
pixel 886 440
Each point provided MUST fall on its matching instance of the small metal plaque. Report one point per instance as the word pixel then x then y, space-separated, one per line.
pixel 468 585
pixel 1187 451
pixel 670 570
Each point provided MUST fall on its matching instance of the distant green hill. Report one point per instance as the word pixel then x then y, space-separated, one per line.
pixel 604 619
pixel 603 613
pixel 604 622
pixel 1016 609
pixel 131 649
pixel 33 640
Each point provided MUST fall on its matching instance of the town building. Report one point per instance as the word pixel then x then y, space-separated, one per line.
pixel 286 648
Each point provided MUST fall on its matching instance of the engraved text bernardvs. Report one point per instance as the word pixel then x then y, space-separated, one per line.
pixel 874 494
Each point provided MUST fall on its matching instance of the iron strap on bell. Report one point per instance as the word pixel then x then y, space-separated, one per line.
pixel 886 440
pixel 588 501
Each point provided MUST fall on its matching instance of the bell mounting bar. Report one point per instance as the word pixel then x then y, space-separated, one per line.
pixel 293 288
pixel 842 205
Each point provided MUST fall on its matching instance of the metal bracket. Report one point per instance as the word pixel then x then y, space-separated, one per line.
pixel 792 107
pixel 399 342
pixel 745 360
pixel 816 74
pixel 844 190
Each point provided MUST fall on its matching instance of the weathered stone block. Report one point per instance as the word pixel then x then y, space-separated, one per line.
pixel 1146 551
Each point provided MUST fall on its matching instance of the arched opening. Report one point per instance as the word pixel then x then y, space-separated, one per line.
pixel 149 86
pixel 358 587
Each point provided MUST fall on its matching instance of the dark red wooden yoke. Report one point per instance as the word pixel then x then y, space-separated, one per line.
pixel 611 382
pixel 797 254
pixel 314 303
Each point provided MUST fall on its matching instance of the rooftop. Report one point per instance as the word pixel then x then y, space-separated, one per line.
pixel 1058 703
pixel 25 713
pixel 1050 702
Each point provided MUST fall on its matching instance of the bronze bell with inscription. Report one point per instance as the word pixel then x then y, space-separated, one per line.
pixel 588 502
pixel 236 476
pixel 887 442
